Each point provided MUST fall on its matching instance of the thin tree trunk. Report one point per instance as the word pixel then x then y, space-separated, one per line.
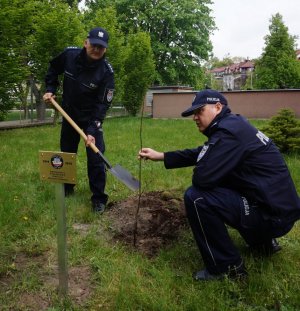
pixel 40 104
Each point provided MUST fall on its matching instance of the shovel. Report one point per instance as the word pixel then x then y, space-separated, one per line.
pixel 118 171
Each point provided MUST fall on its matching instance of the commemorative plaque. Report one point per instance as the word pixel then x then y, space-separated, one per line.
pixel 58 167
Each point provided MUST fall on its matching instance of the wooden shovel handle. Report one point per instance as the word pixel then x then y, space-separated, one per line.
pixel 73 124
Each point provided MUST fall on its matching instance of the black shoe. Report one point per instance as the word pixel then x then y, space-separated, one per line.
pixel 98 207
pixel 234 273
pixel 268 248
pixel 204 275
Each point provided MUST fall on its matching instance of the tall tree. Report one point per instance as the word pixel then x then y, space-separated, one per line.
pixel 179 32
pixel 7 62
pixel 51 34
pixel 56 27
pixel 15 21
pixel 139 70
pixel 31 33
pixel 215 62
pixel 72 3
pixel 278 68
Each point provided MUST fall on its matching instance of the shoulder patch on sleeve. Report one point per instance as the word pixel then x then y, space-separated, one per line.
pixel 109 66
pixel 202 152
pixel 109 93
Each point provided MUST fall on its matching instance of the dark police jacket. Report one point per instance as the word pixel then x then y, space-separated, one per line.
pixel 239 157
pixel 87 87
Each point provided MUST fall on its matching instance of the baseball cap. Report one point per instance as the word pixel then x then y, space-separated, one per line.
pixel 203 98
pixel 98 36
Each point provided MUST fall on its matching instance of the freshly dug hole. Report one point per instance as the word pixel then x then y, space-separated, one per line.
pixel 160 219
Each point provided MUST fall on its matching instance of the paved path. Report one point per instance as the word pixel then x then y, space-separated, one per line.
pixel 9 125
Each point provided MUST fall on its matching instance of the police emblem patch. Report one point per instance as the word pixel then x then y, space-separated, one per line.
pixel 109 95
pixel 57 161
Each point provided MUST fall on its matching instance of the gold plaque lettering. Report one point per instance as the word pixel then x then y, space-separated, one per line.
pixel 59 167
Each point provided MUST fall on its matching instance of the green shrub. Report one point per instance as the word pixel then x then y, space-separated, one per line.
pixel 284 130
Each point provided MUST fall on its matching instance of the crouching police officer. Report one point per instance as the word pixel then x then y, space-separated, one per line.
pixel 88 87
pixel 240 179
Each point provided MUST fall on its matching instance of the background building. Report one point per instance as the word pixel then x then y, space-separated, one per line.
pixel 234 76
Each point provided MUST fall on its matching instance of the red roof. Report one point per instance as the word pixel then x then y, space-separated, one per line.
pixel 234 67
pixel 247 64
pixel 219 69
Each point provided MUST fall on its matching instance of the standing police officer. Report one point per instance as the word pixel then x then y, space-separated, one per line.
pixel 88 87
pixel 240 179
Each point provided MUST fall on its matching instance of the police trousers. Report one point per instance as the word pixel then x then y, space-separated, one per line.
pixel 210 211
pixel 69 141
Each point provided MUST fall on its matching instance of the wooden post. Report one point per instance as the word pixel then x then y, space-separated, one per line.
pixel 61 239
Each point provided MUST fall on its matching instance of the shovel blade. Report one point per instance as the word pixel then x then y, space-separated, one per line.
pixel 125 177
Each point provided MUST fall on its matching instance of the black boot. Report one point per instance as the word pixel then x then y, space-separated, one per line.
pixel 268 248
pixel 234 273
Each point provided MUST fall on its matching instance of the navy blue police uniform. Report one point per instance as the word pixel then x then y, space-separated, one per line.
pixel 87 94
pixel 240 179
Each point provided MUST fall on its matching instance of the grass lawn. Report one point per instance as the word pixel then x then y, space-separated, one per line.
pixel 114 277
pixel 19 115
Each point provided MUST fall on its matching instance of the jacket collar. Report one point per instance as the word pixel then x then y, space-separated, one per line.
pixel 214 123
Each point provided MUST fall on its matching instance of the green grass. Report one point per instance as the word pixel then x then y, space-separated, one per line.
pixel 122 279
pixel 15 115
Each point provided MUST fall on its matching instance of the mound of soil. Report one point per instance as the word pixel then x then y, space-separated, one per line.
pixel 149 222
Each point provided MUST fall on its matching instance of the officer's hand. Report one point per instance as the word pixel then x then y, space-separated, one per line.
pixel 148 153
pixel 47 96
pixel 90 139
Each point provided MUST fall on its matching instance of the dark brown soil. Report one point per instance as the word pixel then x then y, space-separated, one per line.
pixel 158 222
